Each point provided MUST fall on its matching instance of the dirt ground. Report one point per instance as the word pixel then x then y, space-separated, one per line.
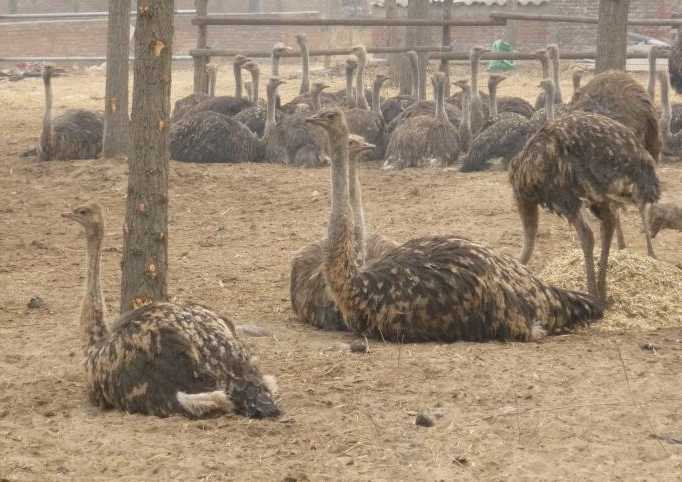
pixel 585 406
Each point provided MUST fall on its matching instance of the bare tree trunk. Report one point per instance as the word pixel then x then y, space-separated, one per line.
pixel 511 32
pixel 446 43
pixel 145 233
pixel 612 36
pixel 116 97
pixel 415 37
pixel 200 63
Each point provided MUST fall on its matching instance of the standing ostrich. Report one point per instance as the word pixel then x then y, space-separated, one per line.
pixel 425 139
pixel 441 288
pixel 75 134
pixel 310 298
pixel 582 159
pixel 164 359
pixel 291 140
pixel 503 139
pixel 186 103
pixel 367 123
pixel 672 142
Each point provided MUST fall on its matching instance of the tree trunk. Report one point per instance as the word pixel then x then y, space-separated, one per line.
pixel 612 36
pixel 145 233
pixel 200 63
pixel 116 97
pixel 416 36
pixel 446 44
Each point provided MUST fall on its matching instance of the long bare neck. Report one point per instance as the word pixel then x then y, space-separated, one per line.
pixel 555 78
pixel 665 103
pixel 270 115
pixel 211 83
pixel 93 329
pixel 255 85
pixel 360 85
pixel 305 61
pixel 465 127
pixel 651 87
pixel 350 72
pixel 544 62
pixel 474 76
pixel 492 100
pixel 577 79
pixel 47 135
pixel 340 262
pixel 315 101
pixel 355 193
pixel 416 78
pixel 437 101
pixel 237 81
pixel 376 97
pixel 549 104
pixel 275 65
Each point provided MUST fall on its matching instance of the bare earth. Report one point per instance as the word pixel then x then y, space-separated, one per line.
pixel 584 406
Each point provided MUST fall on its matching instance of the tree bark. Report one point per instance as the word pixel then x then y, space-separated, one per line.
pixel 200 63
pixel 419 36
pixel 446 44
pixel 145 233
pixel 116 96
pixel 612 33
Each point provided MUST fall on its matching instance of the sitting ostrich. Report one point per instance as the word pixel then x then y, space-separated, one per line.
pixel 425 139
pixel 310 298
pixel 186 103
pixel 253 117
pixel 75 134
pixel 582 159
pixel 442 288
pixel 164 359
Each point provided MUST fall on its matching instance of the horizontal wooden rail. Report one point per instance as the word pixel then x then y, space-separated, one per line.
pixel 533 56
pixel 256 54
pixel 68 15
pixel 349 22
pixel 655 22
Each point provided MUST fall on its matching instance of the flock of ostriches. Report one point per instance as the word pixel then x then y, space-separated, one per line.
pixel 598 151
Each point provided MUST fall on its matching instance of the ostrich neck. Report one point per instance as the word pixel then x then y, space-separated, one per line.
pixel 545 68
pixel 376 97
pixel 416 79
pixel 305 60
pixel 474 77
pixel 577 79
pixel 211 84
pixel 237 81
pixel 466 114
pixel 555 74
pixel 666 116
pixel 492 90
pixel 651 88
pixel 93 329
pixel 340 265
pixel 47 136
pixel 360 86
pixel 255 85
pixel 549 104
pixel 438 105
pixel 275 65
pixel 355 193
pixel 349 85
pixel 315 101
pixel 270 115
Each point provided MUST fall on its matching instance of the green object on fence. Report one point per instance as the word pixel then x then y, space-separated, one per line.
pixel 501 46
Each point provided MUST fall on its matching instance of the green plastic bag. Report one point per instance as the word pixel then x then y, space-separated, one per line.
pixel 496 65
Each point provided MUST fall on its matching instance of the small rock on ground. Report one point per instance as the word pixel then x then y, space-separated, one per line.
pixel 424 420
pixel 252 330
pixel 359 346
pixel 36 303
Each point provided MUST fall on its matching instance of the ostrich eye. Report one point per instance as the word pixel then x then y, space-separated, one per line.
pixel 82 212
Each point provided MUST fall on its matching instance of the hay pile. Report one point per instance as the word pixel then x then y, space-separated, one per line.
pixel 644 294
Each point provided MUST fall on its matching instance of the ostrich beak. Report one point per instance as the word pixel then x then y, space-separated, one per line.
pixel 315 120
pixel 366 147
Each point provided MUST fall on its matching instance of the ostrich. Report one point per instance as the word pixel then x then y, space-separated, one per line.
pixel 302 41
pixel 479 115
pixel 362 121
pixel 75 134
pixel 394 106
pixel 495 114
pixel 164 359
pixel 672 142
pixel 582 159
pixel 442 288
pixel 543 57
pixel 675 63
pixel 310 298
pixel 553 53
pixel 291 140
pixel 676 108
pixel 576 79
pixel 503 139
pixel 253 117
pixel 664 216
pixel 465 136
pixel 425 139
pixel 186 103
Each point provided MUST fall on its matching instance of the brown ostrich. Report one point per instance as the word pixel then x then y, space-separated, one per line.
pixel 302 41
pixel 441 288
pixel 394 106
pixel 675 63
pixel 310 298
pixel 576 79
pixel 425 139
pixel 75 134
pixel 672 141
pixel 186 103
pixel 675 108
pixel 543 57
pixel 163 359
pixel 582 159
pixel 253 117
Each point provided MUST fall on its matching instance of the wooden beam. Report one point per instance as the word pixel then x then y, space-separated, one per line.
pixel 348 22
pixel 651 22
pixel 200 63
pixel 256 54
pixel 591 55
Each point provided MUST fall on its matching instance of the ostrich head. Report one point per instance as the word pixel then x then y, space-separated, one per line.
pixel 381 78
pixel 332 121
pixel 360 52
pixel 240 60
pixel 279 48
pixel 495 79
pixel 251 67
pixel 412 56
pixel 358 145
pixel 48 71
pixel 463 84
pixel 90 217
pixel 318 87
pixel 547 86
pixel 553 51
pixel 301 39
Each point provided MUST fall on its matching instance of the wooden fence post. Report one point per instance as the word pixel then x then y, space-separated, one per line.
pixel 200 63
pixel 447 42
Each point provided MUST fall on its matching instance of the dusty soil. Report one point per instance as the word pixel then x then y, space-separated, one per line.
pixel 592 405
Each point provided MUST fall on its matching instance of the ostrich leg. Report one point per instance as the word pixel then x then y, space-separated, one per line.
pixel 587 243
pixel 529 219
pixel 609 221
pixel 619 233
pixel 644 212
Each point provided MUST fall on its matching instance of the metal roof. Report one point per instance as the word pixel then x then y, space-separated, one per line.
pixel 403 3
